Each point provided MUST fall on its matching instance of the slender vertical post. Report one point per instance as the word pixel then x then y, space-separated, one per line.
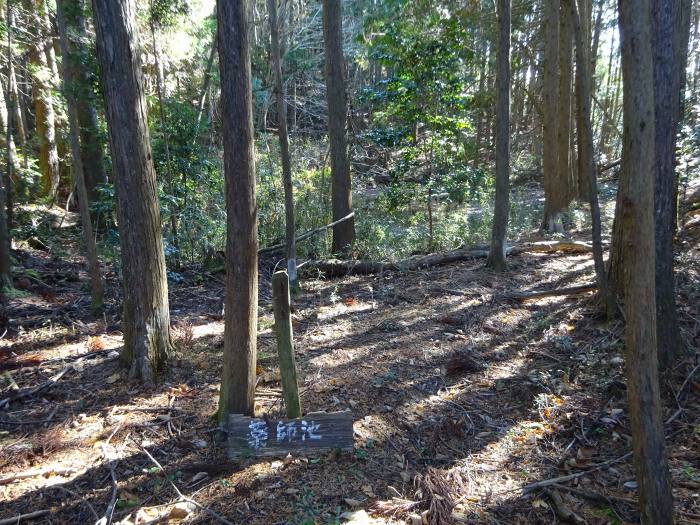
pixel 285 343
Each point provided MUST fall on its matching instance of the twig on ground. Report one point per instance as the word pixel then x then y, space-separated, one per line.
pixel 595 496
pixel 561 509
pixel 106 519
pixel 568 477
pixel 146 409
pixel 32 421
pixel 81 498
pixel 28 516
pixel 37 472
pixel 573 290
pixel 33 390
pixel 213 514
pixel 75 357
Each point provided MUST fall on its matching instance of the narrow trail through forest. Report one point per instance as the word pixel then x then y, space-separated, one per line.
pixel 454 387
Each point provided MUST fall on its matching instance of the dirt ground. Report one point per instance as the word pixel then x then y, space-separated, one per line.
pixel 463 401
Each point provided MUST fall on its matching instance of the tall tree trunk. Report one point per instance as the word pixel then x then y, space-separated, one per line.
pixel 20 119
pixel 341 187
pixel 637 221
pixel 205 83
pixel 91 150
pixel 497 253
pixel 617 112
pixel 595 43
pixel 584 75
pixel 290 234
pixel 11 93
pixel 5 241
pixel 83 199
pixel 5 235
pixel 564 101
pixel 49 49
pixel 43 105
pixel 166 137
pixel 146 318
pixel 606 118
pixel 480 109
pixel 555 188
pixel 670 29
pixel 8 200
pixel 696 46
pixel 238 376
pixel 585 152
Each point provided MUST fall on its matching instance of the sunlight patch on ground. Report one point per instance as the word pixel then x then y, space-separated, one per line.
pixel 208 329
pixel 63 350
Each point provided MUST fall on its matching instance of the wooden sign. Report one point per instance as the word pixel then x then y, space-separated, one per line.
pixel 314 433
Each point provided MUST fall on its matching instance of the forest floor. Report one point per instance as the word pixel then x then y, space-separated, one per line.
pixel 466 403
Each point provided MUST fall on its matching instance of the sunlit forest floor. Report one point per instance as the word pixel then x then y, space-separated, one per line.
pixel 463 399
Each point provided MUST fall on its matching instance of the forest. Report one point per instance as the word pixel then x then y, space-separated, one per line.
pixel 424 262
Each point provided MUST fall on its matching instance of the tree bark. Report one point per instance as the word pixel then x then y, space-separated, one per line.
pixel 290 233
pixel 5 238
pixel 43 105
pixel 637 222
pixel 146 318
pixel 480 110
pixel 582 18
pixel 497 253
pixel 564 91
pixel 606 121
pixel 83 199
pixel 91 150
pixel 555 193
pixel 49 49
pixel 585 152
pixel 341 186
pixel 238 376
pixel 670 27
pixel 8 201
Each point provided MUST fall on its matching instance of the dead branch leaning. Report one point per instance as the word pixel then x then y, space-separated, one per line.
pixel 306 235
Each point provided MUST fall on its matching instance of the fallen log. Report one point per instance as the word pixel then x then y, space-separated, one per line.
pixel 337 267
pixel 538 294
pixel 551 247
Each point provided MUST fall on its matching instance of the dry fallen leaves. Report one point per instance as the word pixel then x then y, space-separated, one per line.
pixel 94 344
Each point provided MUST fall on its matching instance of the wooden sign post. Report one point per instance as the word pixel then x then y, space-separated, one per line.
pixel 314 433
pixel 285 343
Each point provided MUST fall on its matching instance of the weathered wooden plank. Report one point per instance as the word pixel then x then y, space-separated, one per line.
pixel 313 433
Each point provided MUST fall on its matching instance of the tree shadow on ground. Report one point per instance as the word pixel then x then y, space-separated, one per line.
pixel 440 371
